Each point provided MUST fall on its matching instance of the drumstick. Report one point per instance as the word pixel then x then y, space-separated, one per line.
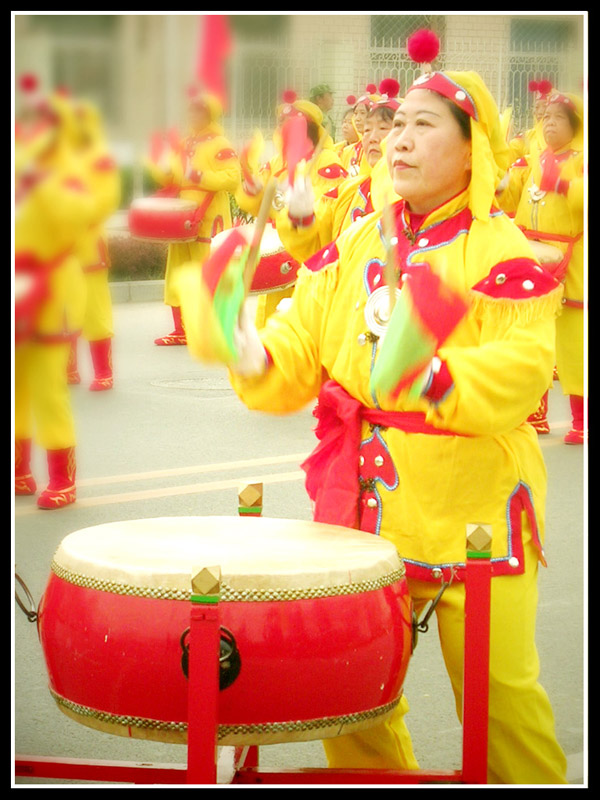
pixel 390 269
pixel 261 221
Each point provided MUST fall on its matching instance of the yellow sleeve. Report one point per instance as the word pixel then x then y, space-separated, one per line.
pixel 293 341
pixel 218 167
pixel 497 383
pixel 508 199
pixel 301 242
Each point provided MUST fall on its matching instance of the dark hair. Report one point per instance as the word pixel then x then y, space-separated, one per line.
pixel 573 119
pixel 382 112
pixel 463 119
pixel 313 131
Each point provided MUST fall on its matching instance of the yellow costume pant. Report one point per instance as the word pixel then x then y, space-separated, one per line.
pixel 522 745
pixel 177 255
pixel 98 320
pixel 569 350
pixel 42 401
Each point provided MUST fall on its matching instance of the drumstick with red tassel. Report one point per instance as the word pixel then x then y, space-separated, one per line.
pixel 424 316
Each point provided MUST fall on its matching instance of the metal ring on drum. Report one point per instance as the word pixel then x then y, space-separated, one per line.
pixel 320 615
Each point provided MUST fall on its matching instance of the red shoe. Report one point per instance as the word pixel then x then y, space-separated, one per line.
pixel 177 336
pixel 577 433
pixel 61 487
pixel 24 480
pixel 574 437
pixel 171 339
pixel 101 352
pixel 539 419
pixel 73 376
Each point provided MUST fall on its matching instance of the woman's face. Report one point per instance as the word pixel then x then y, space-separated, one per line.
pixel 360 115
pixel 348 130
pixel 428 157
pixel 375 130
pixel 556 126
pixel 198 117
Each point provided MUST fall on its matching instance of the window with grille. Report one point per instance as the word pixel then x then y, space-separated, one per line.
pixel 389 34
pixel 84 55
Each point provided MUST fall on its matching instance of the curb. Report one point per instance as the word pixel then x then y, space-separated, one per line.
pixel 136 291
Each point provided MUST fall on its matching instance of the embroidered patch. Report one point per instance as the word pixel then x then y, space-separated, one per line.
pixel 517 279
pixel 322 258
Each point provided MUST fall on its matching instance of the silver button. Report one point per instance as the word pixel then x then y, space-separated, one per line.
pixel 460 95
pixel 500 279
pixel 513 562
pixel 361 460
pixel 376 279
pixel 528 285
pixel 437 572
pixel 423 242
pixel 371 502
pixel 362 339
pixel 378 461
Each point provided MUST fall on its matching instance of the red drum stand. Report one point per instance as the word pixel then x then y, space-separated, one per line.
pixel 203 700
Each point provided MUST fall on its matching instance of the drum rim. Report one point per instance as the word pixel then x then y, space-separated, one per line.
pixel 373 564
pixel 227 734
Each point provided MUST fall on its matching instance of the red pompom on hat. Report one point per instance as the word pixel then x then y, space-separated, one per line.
pixel 289 96
pixel 28 82
pixel 534 86
pixel 371 88
pixel 389 87
pixel 351 100
pixel 544 87
pixel 423 46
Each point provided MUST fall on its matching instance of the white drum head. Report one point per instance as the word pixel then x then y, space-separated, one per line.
pixel 260 554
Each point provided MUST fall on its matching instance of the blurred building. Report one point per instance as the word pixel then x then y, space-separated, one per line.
pixel 136 67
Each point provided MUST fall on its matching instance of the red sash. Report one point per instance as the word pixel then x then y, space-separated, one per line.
pixel 332 469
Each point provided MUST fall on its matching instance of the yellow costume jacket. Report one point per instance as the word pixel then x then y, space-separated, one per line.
pixel 334 212
pixel 53 211
pixel 471 457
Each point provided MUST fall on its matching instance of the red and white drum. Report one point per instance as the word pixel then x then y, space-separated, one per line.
pixel 321 617
pixel 276 269
pixel 546 254
pixel 163 219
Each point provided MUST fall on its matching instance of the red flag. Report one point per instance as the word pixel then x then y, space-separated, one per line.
pixel 213 49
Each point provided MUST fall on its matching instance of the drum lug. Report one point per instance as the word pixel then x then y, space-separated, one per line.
pixel 422 625
pixel 230 662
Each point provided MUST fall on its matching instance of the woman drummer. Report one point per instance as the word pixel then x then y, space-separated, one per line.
pixel 309 226
pixel 327 174
pixel 418 469
pixel 546 190
pixel 206 170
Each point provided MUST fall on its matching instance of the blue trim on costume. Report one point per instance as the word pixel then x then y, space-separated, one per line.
pixel 409 258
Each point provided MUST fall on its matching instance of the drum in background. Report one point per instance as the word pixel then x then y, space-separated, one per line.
pixel 163 219
pixel 320 617
pixel 276 269
pixel 546 254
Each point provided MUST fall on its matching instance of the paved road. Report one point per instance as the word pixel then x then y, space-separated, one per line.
pixel 172 439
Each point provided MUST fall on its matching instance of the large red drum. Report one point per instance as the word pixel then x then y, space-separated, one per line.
pixel 276 269
pixel 320 616
pixel 163 219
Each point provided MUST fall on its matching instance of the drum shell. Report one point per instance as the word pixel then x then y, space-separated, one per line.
pixel 276 270
pixel 164 220
pixel 114 662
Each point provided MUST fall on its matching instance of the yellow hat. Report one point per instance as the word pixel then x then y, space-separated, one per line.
pixel 489 148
